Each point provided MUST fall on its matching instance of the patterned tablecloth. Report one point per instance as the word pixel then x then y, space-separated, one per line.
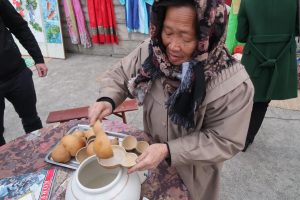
pixel 27 154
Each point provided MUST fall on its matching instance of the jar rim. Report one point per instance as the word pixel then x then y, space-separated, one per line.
pixel 100 189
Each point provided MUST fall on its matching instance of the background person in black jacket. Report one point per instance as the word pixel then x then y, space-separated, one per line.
pixel 16 84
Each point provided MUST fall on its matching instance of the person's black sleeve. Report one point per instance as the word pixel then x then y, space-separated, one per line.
pixel 19 27
pixel 108 100
pixel 168 158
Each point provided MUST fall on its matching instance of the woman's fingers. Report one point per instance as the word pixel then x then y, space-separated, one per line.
pixel 151 158
pixel 93 114
pixel 144 164
pixel 141 157
pixel 99 110
pixel 139 164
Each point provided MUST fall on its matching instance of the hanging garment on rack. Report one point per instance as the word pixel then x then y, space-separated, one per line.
pixel 144 16
pixel 131 14
pixel 231 41
pixel 137 15
pixel 71 21
pixel 83 32
pixel 76 23
pixel 102 21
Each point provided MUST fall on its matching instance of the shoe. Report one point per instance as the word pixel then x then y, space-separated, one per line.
pixel 248 142
pixel 2 140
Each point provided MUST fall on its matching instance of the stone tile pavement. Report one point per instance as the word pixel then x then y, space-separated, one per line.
pixel 269 170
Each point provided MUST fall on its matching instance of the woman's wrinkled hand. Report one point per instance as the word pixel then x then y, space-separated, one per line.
pixel 99 110
pixel 151 158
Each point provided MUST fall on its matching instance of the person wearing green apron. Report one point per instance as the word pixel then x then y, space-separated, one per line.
pixel 268 28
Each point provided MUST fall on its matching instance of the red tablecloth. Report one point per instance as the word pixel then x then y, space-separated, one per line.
pixel 27 154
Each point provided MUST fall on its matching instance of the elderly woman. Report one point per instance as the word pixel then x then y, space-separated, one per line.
pixel 197 99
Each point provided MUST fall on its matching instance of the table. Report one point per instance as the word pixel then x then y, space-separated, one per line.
pixel 27 154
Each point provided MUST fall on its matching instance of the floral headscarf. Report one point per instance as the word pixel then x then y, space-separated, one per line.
pixel 209 58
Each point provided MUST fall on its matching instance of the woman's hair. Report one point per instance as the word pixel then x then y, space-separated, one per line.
pixel 159 13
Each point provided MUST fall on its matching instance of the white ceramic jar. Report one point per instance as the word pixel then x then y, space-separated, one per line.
pixel 91 182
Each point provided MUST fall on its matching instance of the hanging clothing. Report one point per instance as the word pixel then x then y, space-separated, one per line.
pixel 137 15
pixel 144 16
pixel 71 21
pixel 102 21
pixel 76 23
pixel 231 41
pixel 131 14
pixel 84 35
pixel 148 6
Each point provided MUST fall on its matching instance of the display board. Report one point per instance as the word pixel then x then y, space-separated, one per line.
pixel 44 21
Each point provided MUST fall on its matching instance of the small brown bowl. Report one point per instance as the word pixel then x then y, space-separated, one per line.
pixel 119 154
pixel 120 158
pixel 88 133
pixel 114 141
pixel 129 143
pixel 142 146
pixel 90 139
pixel 81 155
pixel 90 148
pixel 78 133
pixel 130 160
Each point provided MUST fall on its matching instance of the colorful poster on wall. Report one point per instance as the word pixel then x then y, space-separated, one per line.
pixel 34 19
pixel 51 21
pixel 30 11
pixel 44 21
pixel 18 6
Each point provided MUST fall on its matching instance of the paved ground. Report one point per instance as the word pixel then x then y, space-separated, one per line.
pixel 269 170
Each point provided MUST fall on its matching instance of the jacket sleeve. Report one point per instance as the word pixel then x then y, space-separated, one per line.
pixel 223 133
pixel 243 24
pixel 19 27
pixel 113 83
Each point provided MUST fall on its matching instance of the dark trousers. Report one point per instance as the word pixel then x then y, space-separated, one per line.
pixel 21 93
pixel 257 116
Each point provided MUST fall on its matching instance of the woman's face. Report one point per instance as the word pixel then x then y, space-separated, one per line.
pixel 179 34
